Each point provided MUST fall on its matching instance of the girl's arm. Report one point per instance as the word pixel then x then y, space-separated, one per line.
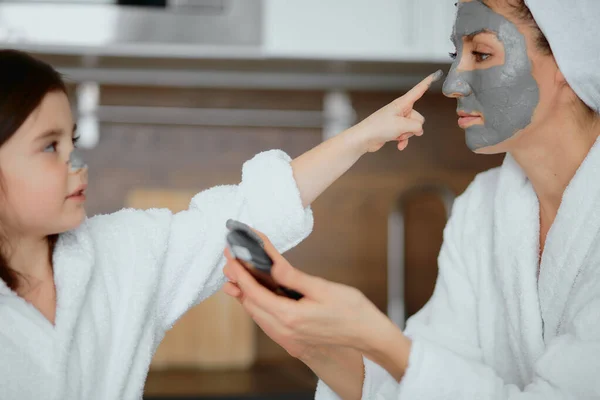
pixel 317 169
pixel 169 263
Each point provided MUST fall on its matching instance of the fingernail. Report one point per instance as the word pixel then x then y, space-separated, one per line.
pixel 437 76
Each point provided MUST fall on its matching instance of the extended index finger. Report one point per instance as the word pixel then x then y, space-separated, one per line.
pixel 422 87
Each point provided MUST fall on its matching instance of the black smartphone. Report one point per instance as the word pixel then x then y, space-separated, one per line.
pixel 250 253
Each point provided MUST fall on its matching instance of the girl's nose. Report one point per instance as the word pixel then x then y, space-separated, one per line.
pixel 76 162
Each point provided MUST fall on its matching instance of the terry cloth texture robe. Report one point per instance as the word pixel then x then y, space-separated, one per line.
pixel 122 280
pixel 493 329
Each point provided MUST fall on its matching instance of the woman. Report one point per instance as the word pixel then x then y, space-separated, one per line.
pixel 84 303
pixel 516 309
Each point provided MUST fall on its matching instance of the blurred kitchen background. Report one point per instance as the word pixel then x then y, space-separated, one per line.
pixel 172 96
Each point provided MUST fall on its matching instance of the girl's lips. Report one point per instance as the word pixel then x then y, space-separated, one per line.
pixel 79 194
pixel 79 191
pixel 77 197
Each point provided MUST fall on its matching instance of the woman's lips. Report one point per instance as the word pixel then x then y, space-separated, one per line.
pixel 466 120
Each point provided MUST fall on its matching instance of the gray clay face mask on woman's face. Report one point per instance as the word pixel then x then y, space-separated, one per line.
pixel 506 95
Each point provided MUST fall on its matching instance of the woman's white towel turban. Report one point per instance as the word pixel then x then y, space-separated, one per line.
pixel 572 28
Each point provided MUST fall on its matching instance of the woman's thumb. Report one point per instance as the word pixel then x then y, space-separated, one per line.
pixel 286 275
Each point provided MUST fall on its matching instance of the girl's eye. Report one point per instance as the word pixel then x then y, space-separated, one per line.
pixel 51 148
pixel 481 57
pixel 453 55
pixel 75 140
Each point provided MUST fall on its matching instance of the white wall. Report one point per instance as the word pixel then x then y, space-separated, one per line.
pixel 378 30
pixel 359 29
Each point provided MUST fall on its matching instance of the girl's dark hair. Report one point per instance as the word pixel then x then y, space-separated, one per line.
pixel 24 82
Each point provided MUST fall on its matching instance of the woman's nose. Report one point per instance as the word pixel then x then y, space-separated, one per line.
pixel 456 85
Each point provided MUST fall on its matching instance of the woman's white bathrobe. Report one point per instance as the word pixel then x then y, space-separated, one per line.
pixel 492 329
pixel 123 279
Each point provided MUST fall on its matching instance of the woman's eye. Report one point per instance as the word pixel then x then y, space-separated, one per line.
pixel 51 148
pixel 453 55
pixel 75 140
pixel 481 57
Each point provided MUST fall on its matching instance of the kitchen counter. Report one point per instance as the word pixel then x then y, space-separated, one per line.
pixel 288 380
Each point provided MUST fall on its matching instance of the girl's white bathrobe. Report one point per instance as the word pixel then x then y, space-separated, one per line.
pixel 123 279
pixel 493 329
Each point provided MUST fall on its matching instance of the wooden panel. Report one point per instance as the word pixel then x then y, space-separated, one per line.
pixel 425 221
pixel 217 333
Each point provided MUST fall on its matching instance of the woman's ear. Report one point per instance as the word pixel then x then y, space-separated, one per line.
pixel 560 78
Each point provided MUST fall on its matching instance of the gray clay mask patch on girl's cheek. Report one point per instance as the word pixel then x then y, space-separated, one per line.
pixel 506 95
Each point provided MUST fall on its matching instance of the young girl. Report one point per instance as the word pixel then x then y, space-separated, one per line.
pixel 84 303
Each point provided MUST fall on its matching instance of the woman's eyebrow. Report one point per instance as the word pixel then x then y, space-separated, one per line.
pixel 471 36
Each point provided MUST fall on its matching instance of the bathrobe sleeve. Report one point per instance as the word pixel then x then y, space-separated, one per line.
pixel 439 369
pixel 181 255
pixel 445 360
